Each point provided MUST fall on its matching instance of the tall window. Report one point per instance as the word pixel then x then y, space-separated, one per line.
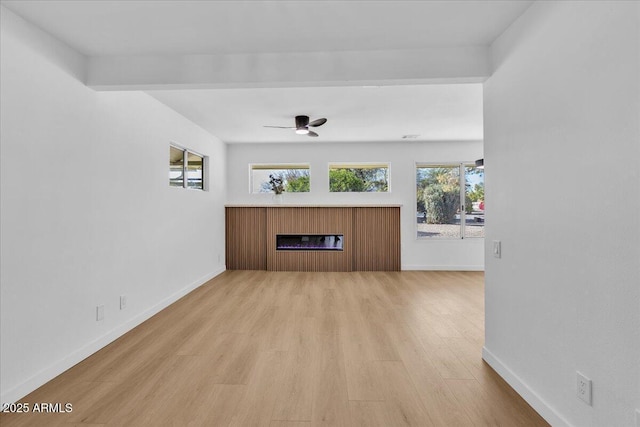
pixel 359 177
pixel 295 177
pixel 186 168
pixel 450 201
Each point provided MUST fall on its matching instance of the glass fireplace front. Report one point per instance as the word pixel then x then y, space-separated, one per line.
pixel 309 242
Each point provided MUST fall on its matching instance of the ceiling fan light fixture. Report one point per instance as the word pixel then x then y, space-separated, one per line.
pixel 302 126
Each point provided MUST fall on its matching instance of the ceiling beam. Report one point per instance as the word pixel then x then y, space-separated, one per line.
pixel 306 69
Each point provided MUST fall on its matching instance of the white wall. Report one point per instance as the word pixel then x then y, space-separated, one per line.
pixel 87 213
pixel 562 128
pixel 467 254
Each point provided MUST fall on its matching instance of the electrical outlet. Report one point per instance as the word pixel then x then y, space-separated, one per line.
pixel 584 388
pixel 99 313
pixel 123 302
pixel 497 249
pixel 219 258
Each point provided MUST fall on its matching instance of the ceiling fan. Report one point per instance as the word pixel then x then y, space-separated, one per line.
pixel 302 125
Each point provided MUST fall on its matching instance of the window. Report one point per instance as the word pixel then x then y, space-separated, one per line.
pixel 295 177
pixel 450 201
pixel 474 196
pixel 176 167
pixel 359 177
pixel 186 163
pixel 195 167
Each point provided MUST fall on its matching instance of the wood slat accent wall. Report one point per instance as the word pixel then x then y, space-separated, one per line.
pixel 371 238
pixel 312 220
pixel 376 239
pixel 246 234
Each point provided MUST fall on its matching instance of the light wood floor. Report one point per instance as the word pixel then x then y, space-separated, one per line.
pixel 273 349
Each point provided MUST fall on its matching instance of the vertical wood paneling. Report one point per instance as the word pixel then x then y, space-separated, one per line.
pixel 376 239
pixel 371 238
pixel 246 233
pixel 311 220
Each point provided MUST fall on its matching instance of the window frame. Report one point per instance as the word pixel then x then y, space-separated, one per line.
pixel 462 183
pixel 185 168
pixel 362 165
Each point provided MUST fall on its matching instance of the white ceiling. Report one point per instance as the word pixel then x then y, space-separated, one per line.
pixel 383 113
pixel 434 112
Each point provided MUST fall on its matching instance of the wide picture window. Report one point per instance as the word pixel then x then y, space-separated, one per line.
pixel 450 201
pixel 294 177
pixel 359 177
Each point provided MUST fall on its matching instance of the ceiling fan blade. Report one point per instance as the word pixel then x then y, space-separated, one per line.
pixel 280 127
pixel 312 133
pixel 318 122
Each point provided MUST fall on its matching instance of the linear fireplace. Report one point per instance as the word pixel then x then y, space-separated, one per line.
pixel 309 242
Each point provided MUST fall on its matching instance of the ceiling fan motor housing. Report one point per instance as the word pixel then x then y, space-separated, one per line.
pixel 302 122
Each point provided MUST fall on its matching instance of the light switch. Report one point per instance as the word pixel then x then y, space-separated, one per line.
pixel 497 249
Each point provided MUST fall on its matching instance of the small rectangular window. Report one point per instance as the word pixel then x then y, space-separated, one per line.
pixel 359 177
pixel 294 177
pixel 186 168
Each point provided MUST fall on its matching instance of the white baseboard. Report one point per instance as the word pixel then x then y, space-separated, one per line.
pixel 82 353
pixel 530 396
pixel 444 267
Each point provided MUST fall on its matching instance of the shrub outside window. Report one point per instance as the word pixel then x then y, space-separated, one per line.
pixel 449 201
pixel 359 177
pixel 295 177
